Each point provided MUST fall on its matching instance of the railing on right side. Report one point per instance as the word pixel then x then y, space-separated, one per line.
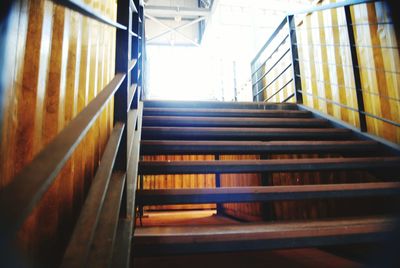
pixel 340 59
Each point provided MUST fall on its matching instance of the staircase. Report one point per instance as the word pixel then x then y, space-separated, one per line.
pixel 195 128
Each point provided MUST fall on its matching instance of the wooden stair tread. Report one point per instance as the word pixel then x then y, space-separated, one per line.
pixel 243 133
pixel 251 236
pixel 237 147
pixel 232 121
pixel 265 193
pixel 225 112
pixel 219 104
pixel 273 165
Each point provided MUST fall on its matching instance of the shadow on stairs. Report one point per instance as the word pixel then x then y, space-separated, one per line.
pixel 310 184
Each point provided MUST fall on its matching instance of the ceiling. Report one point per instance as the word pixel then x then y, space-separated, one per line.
pixel 176 22
pixel 183 22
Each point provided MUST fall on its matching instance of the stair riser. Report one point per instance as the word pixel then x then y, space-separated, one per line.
pixel 222 105
pixel 257 166
pixel 255 197
pixel 226 122
pixel 255 114
pixel 159 249
pixel 198 150
pixel 149 133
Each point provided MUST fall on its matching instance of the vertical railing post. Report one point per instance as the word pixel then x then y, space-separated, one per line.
pixel 122 57
pixel 140 49
pixel 295 59
pixel 254 85
pixel 220 206
pixel 134 54
pixel 356 69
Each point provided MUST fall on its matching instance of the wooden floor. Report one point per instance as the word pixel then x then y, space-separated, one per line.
pixel 310 257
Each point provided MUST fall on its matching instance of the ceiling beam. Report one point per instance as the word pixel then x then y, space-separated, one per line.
pixel 171 29
pixel 174 11
pixel 176 28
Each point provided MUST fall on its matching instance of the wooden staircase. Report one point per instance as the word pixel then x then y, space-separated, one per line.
pixel 196 128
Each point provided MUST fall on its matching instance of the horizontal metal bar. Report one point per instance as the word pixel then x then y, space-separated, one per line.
pixel 199 121
pixel 332 6
pixel 272 67
pixel 272 37
pixel 344 45
pixel 225 112
pixel 270 56
pixel 353 88
pixel 331 101
pixel 100 252
pixel 231 133
pixel 132 64
pixel 132 92
pixel 271 165
pixel 83 235
pixel 86 10
pixel 303 28
pixel 279 75
pixel 348 65
pixel 219 104
pixel 265 193
pixel 288 98
pixel 169 147
pixel 29 186
pixel 173 11
pixel 167 240
pixel 285 85
pixel 353 109
pixel 133 6
pixel 133 33
pixel 391 147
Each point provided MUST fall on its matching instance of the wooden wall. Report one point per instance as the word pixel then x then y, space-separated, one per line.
pixel 328 86
pixel 326 68
pixel 59 61
pixel 244 211
pixel 326 71
pixel 179 181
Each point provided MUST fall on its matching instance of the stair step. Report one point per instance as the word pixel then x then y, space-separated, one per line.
pixel 190 121
pixel 274 165
pixel 249 147
pixel 226 112
pixel 219 104
pixel 256 236
pixel 264 193
pixel 226 133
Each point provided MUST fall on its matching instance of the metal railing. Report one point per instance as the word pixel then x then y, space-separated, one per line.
pixel 283 44
pixel 118 164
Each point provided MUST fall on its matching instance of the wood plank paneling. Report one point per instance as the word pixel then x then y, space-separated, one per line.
pixel 61 60
pixel 179 181
pixel 244 211
pixel 327 73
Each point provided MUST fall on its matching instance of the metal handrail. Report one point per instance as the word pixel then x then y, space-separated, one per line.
pixel 258 77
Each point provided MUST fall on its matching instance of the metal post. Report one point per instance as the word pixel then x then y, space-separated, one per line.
pixel 220 207
pixel 356 70
pixel 295 63
pixel 122 57
pixel 234 82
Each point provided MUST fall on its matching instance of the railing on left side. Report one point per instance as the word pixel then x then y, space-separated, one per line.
pixel 108 212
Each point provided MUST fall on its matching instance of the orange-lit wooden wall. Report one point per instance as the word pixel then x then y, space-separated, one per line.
pixel 245 211
pixel 326 71
pixel 60 61
pixel 329 74
pixel 179 181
